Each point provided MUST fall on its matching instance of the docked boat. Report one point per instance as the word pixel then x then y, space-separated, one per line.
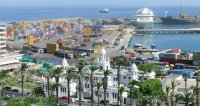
pixel 104 10
pixel 144 18
pixel 181 19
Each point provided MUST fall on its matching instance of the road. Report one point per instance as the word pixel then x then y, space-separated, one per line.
pixel 61 102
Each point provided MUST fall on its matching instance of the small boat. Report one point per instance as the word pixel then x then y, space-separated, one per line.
pixel 137 45
pixel 104 10
pixel 138 34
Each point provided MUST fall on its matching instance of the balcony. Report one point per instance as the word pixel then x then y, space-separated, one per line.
pixel 2 46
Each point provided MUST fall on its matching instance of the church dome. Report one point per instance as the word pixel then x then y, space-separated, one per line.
pixel 134 67
pixel 103 51
pixel 65 63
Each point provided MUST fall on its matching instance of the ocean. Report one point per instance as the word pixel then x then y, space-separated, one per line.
pixel 162 41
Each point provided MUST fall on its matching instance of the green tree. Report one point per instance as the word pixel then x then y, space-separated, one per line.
pixel 105 81
pixel 99 85
pixel 152 89
pixel 3 76
pixel 174 84
pixel 47 75
pixel 167 95
pixel 92 69
pixel 23 72
pixel 57 74
pixel 149 67
pixel 197 86
pixel 119 63
pixel 122 89
pixel 20 101
pixel 185 97
pixel 80 75
pixel 185 76
pixel 69 74
pixel 132 90
pixel 194 96
pixel 38 91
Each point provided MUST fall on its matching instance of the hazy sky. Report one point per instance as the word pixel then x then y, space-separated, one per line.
pixel 100 3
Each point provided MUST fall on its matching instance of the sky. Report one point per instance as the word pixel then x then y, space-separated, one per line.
pixel 99 3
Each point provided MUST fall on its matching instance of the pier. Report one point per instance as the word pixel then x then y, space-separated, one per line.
pixel 167 31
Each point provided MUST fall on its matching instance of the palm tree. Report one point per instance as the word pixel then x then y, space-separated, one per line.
pixel 79 75
pixel 99 85
pixel 185 76
pixel 23 72
pixel 92 68
pixel 38 91
pixel 47 75
pixel 57 73
pixel 174 84
pixel 69 76
pixel 133 83
pixel 119 63
pixel 105 80
pixel 185 97
pixel 166 95
pixel 197 86
pixel 194 96
pixel 122 89
pixel 3 77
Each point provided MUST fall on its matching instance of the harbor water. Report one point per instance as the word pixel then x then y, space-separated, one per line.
pixel 169 41
pixel 162 41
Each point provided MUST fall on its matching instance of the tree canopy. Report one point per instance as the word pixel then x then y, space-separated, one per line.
pixel 151 87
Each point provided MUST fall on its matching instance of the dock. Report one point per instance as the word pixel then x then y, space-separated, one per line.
pixel 167 31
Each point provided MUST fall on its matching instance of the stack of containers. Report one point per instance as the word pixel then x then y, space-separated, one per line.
pixel 52 48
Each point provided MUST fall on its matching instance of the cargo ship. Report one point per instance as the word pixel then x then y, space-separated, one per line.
pixel 144 18
pixel 181 19
pixel 104 10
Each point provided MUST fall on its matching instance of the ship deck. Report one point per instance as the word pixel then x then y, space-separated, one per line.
pixel 167 31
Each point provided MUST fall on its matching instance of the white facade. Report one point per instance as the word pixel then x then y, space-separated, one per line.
pixel 2 40
pixel 149 75
pixel 10 61
pixel 127 74
pixel 111 95
pixel 103 62
pixel 62 90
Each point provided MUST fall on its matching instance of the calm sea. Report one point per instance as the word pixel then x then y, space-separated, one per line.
pixel 184 41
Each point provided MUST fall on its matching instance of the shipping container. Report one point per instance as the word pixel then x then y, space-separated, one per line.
pixel 169 60
pixel 189 72
pixel 52 48
pixel 168 55
pixel 179 66
pixel 87 30
pixel 79 50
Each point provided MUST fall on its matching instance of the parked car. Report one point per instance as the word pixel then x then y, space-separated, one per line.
pixel 37 49
pixel 7 88
pixel 15 90
pixel 115 104
pixel 102 102
pixel 63 98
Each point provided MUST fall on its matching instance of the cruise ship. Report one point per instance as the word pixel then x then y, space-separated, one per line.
pixel 144 18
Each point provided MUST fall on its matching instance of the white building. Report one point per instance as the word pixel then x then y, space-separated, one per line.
pixel 111 94
pixel 103 62
pixel 131 73
pixel 2 40
pixel 10 61
pixel 62 90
